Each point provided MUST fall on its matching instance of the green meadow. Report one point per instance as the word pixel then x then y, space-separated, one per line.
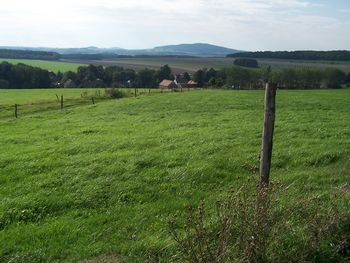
pixel 53 66
pixel 37 96
pixel 100 182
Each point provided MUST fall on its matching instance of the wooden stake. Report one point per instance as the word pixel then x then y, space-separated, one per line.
pixel 135 92
pixel 267 138
pixel 61 102
pixel 16 111
pixel 93 100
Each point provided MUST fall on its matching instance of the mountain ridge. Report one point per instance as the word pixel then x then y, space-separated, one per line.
pixel 195 49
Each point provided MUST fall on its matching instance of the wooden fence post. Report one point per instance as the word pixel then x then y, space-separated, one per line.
pixel 267 138
pixel 61 102
pixel 93 100
pixel 16 111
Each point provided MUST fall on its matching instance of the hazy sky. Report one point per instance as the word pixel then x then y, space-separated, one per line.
pixel 240 24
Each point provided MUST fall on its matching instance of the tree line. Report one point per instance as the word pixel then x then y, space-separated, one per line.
pixel 28 54
pixel 289 78
pixel 336 55
pixel 25 76
pixel 235 77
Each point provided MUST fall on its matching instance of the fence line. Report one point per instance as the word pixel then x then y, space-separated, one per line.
pixel 60 102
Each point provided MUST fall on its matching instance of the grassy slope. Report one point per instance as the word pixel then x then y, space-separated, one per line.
pixel 54 66
pixel 103 179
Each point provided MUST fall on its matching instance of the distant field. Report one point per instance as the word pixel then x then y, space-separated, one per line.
pixel 54 66
pixel 276 63
pixel 105 179
pixel 180 65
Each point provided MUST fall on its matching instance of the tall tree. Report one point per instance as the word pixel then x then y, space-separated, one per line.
pixel 164 72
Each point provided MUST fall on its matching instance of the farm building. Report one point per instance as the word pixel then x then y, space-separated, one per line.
pixel 192 84
pixel 177 84
pixel 168 84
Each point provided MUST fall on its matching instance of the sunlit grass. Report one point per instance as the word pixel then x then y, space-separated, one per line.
pixel 104 179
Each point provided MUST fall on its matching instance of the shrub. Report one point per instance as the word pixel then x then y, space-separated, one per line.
pixel 4 84
pixel 115 93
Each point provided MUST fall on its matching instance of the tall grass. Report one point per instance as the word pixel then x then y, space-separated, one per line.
pixel 254 227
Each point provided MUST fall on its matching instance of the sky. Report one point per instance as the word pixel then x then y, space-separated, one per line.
pixel 136 24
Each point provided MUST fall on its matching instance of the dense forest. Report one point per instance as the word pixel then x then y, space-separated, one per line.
pixel 337 55
pixel 27 54
pixel 235 77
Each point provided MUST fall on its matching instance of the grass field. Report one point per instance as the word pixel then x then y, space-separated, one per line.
pixel 104 179
pixel 53 66
pixel 29 96
pixel 180 65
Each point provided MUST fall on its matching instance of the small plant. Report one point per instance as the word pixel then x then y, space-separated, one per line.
pixel 239 229
pixel 85 94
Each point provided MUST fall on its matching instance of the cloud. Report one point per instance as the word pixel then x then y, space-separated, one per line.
pixel 243 24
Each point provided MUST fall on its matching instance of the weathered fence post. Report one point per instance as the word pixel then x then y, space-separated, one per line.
pixel 61 102
pixel 93 100
pixel 267 138
pixel 16 111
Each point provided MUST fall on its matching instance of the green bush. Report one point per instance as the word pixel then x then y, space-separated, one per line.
pixel 4 84
pixel 246 62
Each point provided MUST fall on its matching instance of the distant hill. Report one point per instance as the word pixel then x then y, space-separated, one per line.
pixel 64 51
pixel 197 50
pixel 335 55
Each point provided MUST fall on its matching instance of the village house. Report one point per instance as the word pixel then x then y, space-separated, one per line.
pixel 181 82
pixel 167 84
